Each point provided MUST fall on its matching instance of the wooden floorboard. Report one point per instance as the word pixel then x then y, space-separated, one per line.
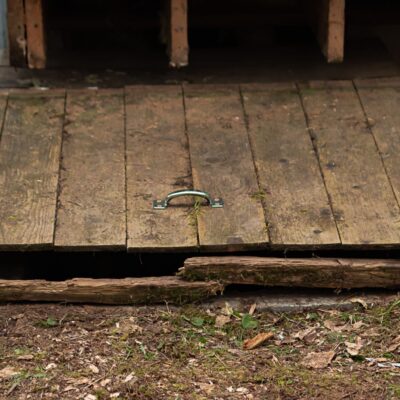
pixel 293 192
pixel 381 101
pixel 91 207
pixel 157 164
pixel 29 166
pixel 222 165
pixel 364 205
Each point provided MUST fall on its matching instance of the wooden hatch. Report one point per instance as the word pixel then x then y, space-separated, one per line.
pixel 305 166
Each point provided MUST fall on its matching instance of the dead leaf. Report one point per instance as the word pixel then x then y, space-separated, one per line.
pixel 359 301
pixel 332 326
pixel 252 308
pixel 68 388
pixel 78 381
pixel 25 357
pixel 394 345
pixel 129 326
pixel 357 325
pixel 354 348
pixel 105 382
pixel 206 387
pixel 8 372
pixel 130 377
pixel 222 320
pixel 318 360
pixel 50 366
pixel 308 335
pixel 257 340
pixel 93 368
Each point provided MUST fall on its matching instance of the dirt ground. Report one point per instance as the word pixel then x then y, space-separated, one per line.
pixel 90 352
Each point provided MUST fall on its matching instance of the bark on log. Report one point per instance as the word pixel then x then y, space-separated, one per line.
pixel 151 290
pixel 305 272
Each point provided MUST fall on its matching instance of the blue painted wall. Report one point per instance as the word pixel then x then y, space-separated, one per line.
pixel 3 24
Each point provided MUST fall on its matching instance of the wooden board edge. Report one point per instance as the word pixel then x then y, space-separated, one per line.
pixel 371 83
pixel 273 86
pixel 34 92
pixel 327 273
pixel 129 291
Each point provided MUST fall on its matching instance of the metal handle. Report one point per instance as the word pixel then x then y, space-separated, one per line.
pixel 163 204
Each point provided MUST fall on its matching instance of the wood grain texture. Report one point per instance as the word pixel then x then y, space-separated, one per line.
pixel 297 206
pixel 327 18
pixel 381 102
pixel 302 272
pixel 157 164
pixel 29 166
pixel 16 32
pixel 178 33
pixel 91 209
pixel 157 290
pixel 35 34
pixel 363 202
pixel 222 165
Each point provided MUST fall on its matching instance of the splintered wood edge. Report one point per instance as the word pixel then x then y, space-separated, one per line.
pixel 312 273
pixel 149 290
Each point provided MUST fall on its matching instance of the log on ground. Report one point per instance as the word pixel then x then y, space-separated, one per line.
pixel 149 290
pixel 301 272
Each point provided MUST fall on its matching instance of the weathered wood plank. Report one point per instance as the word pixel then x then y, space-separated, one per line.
pixel 297 206
pixel 328 20
pixel 29 166
pixel 35 34
pixel 16 32
pixel 363 202
pixel 91 208
pixel 165 289
pixel 302 272
pixel 3 106
pixel 157 164
pixel 381 102
pixel 178 46
pixel 222 165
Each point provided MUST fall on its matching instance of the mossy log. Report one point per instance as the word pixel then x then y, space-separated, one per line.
pixel 301 272
pixel 151 290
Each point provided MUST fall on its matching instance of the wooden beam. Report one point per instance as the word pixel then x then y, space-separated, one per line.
pixel 327 18
pixel 178 47
pixel 154 290
pixel 301 272
pixel 35 34
pixel 16 32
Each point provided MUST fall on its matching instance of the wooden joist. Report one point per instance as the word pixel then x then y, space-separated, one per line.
pixel 153 290
pixel 178 47
pixel 16 32
pixel 301 272
pixel 327 18
pixel 35 34
pixel 26 33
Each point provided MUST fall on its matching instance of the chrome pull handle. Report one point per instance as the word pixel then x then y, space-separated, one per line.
pixel 163 204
